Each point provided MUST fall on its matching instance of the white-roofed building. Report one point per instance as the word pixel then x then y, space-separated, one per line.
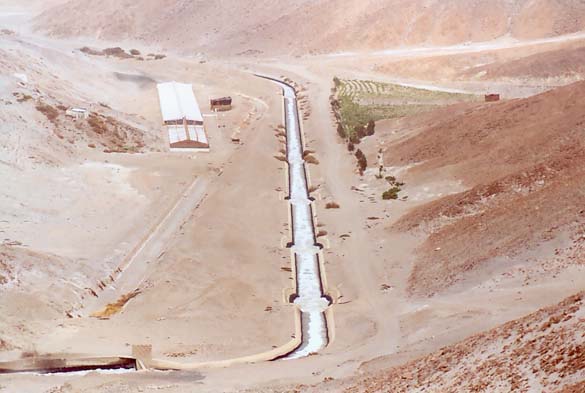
pixel 184 135
pixel 182 116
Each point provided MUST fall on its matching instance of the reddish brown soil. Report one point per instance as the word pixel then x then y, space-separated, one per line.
pixel 107 132
pixel 544 351
pixel 522 161
pixel 576 388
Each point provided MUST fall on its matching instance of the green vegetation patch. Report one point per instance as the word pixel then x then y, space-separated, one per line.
pixel 361 101
pixel 394 190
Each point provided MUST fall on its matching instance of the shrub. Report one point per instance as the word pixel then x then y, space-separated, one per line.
pixel 392 193
pixel 97 125
pixel 332 205
pixel 309 159
pixel 350 146
pixel 393 181
pixel 370 128
pixel 24 98
pixel 355 139
pixel 51 113
pixel 362 162
pixel 92 52
pixel 117 52
pixel 336 81
pixel 134 52
pixel 360 132
pixel 313 188
pixel 341 131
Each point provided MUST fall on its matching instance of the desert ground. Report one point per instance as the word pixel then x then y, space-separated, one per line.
pixel 472 266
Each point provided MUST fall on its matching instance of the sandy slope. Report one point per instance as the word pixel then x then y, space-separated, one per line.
pixel 248 27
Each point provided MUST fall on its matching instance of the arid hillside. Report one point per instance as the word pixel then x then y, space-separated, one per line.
pixel 550 64
pixel 521 164
pixel 81 197
pixel 563 63
pixel 544 351
pixel 49 168
pixel 253 27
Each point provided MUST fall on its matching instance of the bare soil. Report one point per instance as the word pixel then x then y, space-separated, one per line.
pixel 437 290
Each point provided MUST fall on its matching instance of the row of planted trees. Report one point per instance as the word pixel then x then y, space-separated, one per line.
pixel 354 136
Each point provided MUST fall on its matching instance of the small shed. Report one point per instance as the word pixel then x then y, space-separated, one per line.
pixel 221 104
pixel 77 113
pixel 492 97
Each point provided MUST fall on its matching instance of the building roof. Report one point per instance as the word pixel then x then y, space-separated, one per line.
pixel 177 102
pixel 221 99
pixel 179 134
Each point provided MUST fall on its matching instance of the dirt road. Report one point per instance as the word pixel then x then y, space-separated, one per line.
pixel 137 264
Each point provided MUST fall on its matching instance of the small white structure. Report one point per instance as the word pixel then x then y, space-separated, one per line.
pixel 182 116
pixel 77 113
pixel 180 133
pixel 23 78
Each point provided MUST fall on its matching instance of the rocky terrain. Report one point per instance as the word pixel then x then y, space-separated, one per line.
pixel 543 352
pixel 520 163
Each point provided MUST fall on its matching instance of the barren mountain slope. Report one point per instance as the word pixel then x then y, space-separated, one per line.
pixel 560 63
pixel 544 351
pixel 234 26
pixel 554 63
pixel 48 172
pixel 522 163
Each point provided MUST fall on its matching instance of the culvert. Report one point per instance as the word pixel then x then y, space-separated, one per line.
pixel 70 364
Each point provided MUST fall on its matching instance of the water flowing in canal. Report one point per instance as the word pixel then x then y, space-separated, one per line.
pixel 310 298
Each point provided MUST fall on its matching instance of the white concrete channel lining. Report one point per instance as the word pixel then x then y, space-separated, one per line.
pixel 310 298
